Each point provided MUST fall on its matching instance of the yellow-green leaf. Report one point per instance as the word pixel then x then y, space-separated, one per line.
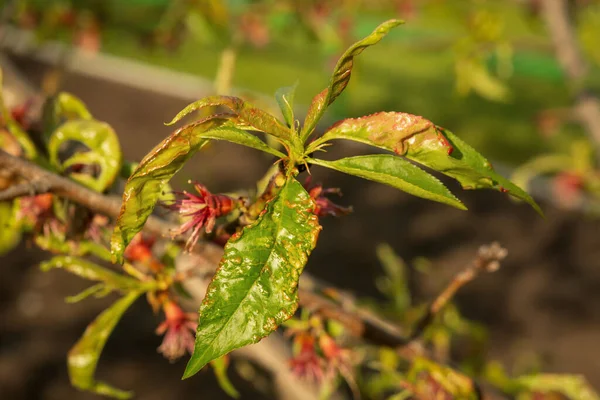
pixel 83 357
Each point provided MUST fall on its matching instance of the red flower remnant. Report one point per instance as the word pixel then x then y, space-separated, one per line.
pixel 567 188
pixel 307 364
pixel 140 248
pixel 324 206
pixel 178 328
pixel 37 211
pixel 202 210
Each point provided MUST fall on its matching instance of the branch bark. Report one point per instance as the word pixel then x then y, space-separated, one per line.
pixel 568 53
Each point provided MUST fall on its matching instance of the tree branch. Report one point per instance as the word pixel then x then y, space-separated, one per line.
pixel 587 105
pixel 488 259
pixel 359 322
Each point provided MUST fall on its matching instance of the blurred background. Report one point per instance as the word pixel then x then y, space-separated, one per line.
pixel 486 70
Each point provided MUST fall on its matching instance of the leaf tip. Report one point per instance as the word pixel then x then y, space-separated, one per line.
pixel 191 369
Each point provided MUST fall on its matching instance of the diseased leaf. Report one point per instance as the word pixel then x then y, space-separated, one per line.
pixel 396 172
pixel 575 387
pixel 255 288
pixel 144 186
pixel 285 99
pixel 249 115
pixel 88 270
pixel 10 229
pixel 220 367
pixel 83 357
pixel 341 76
pixel 420 140
pixel 104 151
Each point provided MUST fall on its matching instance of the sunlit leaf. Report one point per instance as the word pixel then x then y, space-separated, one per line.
pixel 144 186
pixel 341 76
pixel 220 367
pixel 232 134
pixel 420 140
pixel 575 387
pixel 396 172
pixel 94 272
pixel 285 99
pixel 83 357
pixel 61 108
pixel 253 117
pixel 103 146
pixel 255 288
pixel 10 230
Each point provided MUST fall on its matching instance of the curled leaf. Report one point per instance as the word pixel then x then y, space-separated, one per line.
pixel 144 186
pixel 252 117
pixel 341 76
pixel 61 108
pixel 83 356
pixel 396 172
pixel 255 288
pixel 104 151
pixel 420 140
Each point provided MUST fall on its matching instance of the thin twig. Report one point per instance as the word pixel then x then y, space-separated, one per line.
pixel 568 53
pixel 488 259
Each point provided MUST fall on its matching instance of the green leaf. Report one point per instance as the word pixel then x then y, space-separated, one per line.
pixel 220 367
pixel 420 140
pixel 255 288
pixel 104 151
pixel 575 387
pixel 10 229
pixel 341 76
pixel 249 115
pixel 60 108
pixel 144 186
pixel 396 172
pixel 83 357
pixel 285 99
pixel 232 134
pixel 88 270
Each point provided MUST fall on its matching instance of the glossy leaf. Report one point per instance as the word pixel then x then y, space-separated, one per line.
pixel 575 387
pixel 220 367
pixel 61 108
pixel 10 229
pixel 94 272
pixel 255 288
pixel 249 115
pixel 420 140
pixel 83 357
pixel 396 172
pixel 104 151
pixel 285 99
pixel 341 76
